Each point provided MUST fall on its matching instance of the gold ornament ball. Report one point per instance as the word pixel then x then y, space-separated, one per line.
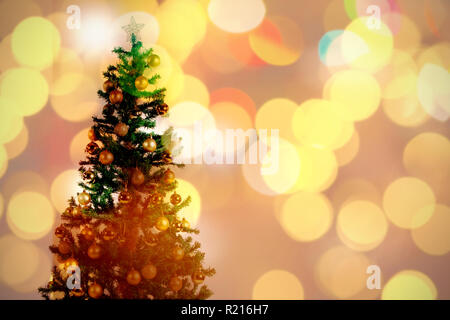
pixel 133 277
pixel 137 178
pixel 157 198
pixel 108 85
pixel 185 224
pixel 109 234
pixel 141 83
pixel 175 199
pixel 121 129
pixel 162 224
pixel 64 247
pixel 176 283
pixel 151 240
pixel 89 176
pixel 94 251
pixel 149 271
pixel 177 225
pixel 68 211
pixel 70 262
pixel 76 212
pixel 92 148
pixel 88 233
pixel 115 97
pixel 149 145
pixel 91 134
pixel 178 253
pixel 84 198
pixel 106 157
pixel 125 197
pixel 59 232
pixel 198 277
pixel 153 60
pixel 95 291
pixel 169 176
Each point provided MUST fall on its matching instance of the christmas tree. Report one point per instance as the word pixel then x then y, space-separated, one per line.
pixel 120 238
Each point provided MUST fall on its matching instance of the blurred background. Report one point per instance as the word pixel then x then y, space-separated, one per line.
pixel 359 89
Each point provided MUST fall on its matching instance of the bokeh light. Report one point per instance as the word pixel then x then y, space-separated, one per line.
pixel 427 156
pixel 355 189
pixel 16 146
pixel 66 73
pixel 280 172
pixel 361 225
pixel 10 122
pixel 409 285
pixel 408 202
pixel 182 25
pixel 432 238
pixel 346 153
pixel 2 205
pixel 433 89
pixel 277 41
pixel 318 169
pixel 26 88
pixel 19 259
pixel 379 42
pixel 278 285
pixel 341 272
pixel 79 104
pixel 20 181
pixel 316 124
pixel 306 216
pixel 236 96
pixel 275 114
pixel 63 187
pixel 356 94
pixel 35 42
pixel 30 214
pixel 236 16
pixel 405 111
pixel 193 90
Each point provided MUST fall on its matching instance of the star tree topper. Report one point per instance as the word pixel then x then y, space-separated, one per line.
pixel 133 28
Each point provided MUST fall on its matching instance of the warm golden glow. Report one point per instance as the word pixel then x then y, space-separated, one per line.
pixel 408 202
pixel 306 216
pixel 409 285
pixel 361 225
pixel 278 285
pixel 30 215
pixel 63 187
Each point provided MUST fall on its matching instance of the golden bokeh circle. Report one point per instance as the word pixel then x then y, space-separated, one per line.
pixel 274 114
pixel 16 146
pixel 316 124
pixel 236 16
pixel 31 214
pixel 357 94
pixel 427 156
pixel 19 259
pixel 277 41
pixel 361 225
pixel 278 285
pixel 341 272
pixel 408 202
pixel 35 42
pixel 306 216
pixel 379 42
pixel 409 285
pixel 432 237
pixel 27 88
pixel 11 123
pixel 348 152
